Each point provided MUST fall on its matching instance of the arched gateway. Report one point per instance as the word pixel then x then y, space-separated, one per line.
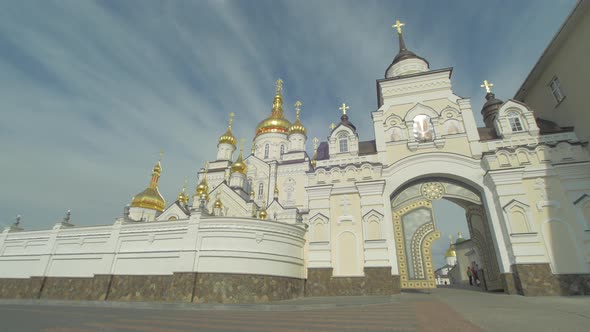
pixel 415 229
pixel 352 218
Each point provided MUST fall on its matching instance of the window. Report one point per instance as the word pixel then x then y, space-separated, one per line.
pixel 423 128
pixel 260 190
pixel 514 120
pixel 343 143
pixel 249 186
pixel 266 150
pixel 555 87
pixel 282 149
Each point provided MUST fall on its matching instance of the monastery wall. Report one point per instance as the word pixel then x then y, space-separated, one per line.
pixel 198 260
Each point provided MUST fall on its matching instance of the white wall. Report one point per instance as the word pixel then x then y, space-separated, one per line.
pixel 208 244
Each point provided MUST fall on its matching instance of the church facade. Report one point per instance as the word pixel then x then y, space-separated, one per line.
pixel 355 218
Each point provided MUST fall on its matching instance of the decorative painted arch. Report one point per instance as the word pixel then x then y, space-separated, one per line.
pixel 419 109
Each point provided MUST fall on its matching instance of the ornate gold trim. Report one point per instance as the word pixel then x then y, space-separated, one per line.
pixel 406 282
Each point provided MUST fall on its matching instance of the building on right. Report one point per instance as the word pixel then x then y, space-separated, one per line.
pixel 556 86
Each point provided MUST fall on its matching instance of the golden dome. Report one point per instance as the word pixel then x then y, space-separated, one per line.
pixel 151 198
pixel 239 165
pixel 451 252
pixel 218 204
pixel 228 137
pixel 203 186
pixel 276 122
pixel 262 214
pixel 297 127
pixel 183 197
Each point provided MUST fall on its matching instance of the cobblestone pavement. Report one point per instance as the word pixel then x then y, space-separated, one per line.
pixel 434 311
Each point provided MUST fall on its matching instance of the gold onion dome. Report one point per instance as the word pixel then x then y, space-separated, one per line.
pixel 182 196
pixel 297 127
pixel 151 198
pixel 203 186
pixel 228 137
pixel 451 252
pixel 218 204
pixel 239 165
pixel 276 122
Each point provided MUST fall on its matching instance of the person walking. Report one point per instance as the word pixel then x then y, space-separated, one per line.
pixel 470 276
pixel 475 276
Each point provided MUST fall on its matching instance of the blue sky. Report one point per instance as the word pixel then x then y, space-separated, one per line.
pixel 91 91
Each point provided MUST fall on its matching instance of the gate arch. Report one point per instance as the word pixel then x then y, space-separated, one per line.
pixel 415 228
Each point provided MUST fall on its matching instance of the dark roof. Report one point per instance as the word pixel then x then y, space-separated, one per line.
pixel 486 134
pixel 404 54
pixel 550 127
pixel 323 151
pixel 367 147
pixel 345 122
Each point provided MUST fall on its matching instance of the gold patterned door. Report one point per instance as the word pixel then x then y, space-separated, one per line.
pixel 414 231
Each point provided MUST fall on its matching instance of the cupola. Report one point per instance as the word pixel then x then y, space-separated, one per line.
pixel 405 62
pixel 151 198
pixel 297 127
pixel 276 122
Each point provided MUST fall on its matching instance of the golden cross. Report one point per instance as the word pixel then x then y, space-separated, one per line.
pixel 161 153
pixel 206 167
pixel 487 85
pixel 332 126
pixel 343 108
pixel 279 85
pixel 231 119
pixel 185 182
pixel 241 144
pixel 298 105
pixel 398 25
pixel 315 143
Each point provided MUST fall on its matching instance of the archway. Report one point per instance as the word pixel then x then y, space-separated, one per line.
pixel 415 230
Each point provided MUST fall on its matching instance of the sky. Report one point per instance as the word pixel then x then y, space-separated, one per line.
pixel 90 92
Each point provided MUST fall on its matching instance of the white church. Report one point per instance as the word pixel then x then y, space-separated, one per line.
pixel 355 218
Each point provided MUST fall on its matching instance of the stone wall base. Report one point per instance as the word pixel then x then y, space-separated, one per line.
pixel 508 283
pixel 538 280
pixel 178 287
pixel 245 288
pixel 29 288
pixel 376 281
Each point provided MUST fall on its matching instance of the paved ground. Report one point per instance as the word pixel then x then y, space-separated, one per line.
pixel 439 310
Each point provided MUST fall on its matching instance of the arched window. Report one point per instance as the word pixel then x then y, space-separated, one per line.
pixel 514 120
pixel 343 143
pixel 266 150
pixel 423 128
pixel 249 186
pixel 282 149
pixel 260 190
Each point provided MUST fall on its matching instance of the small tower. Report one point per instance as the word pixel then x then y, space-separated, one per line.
pixel 314 159
pixel 262 214
pixel 182 197
pixel 202 191
pixel 148 204
pixel 297 132
pixel 450 254
pixel 489 111
pixel 238 179
pixel 271 140
pixel 405 62
pixel 227 142
pixel 218 206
